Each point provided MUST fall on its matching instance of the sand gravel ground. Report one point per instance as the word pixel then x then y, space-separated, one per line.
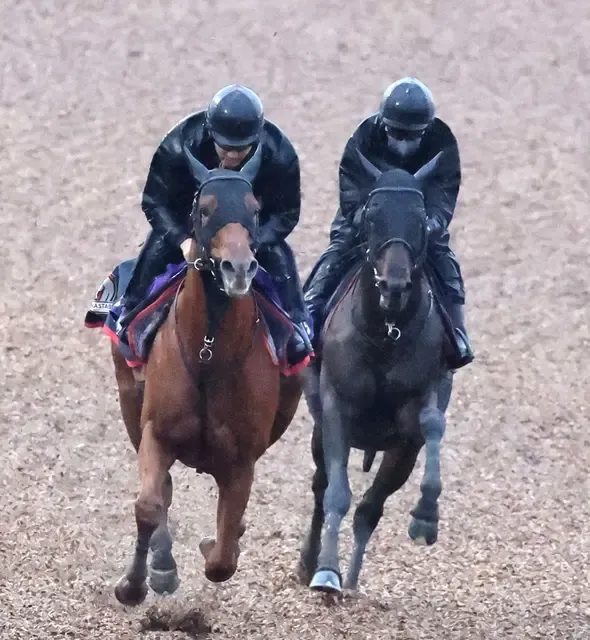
pixel 87 89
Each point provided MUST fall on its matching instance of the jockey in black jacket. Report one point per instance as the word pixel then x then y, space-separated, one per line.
pixel 404 134
pixel 226 134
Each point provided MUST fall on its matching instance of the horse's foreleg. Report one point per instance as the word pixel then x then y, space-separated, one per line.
pixel 308 558
pixel 154 463
pixel 336 446
pixel 423 527
pixel 445 389
pixel 290 394
pixel 311 387
pixel 395 469
pixel 162 571
pixel 221 553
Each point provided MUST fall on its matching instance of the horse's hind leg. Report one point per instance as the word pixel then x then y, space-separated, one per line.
pixel 308 557
pixel 423 527
pixel 154 463
pixel 395 469
pixel 221 553
pixel 163 574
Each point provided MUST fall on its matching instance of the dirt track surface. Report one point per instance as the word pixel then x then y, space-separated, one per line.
pixel 87 90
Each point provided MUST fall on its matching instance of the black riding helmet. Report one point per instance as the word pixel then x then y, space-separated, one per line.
pixel 407 105
pixel 235 117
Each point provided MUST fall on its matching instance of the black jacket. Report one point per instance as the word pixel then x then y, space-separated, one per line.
pixel 441 193
pixel 170 187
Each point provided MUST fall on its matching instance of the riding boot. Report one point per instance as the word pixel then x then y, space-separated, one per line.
pixel 151 262
pixel 466 355
pixel 291 295
pixel 322 284
pixel 328 271
pixel 279 262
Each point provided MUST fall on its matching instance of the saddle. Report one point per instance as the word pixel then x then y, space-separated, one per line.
pixel 135 340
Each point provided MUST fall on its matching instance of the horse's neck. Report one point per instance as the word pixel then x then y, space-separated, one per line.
pixel 373 317
pixel 228 321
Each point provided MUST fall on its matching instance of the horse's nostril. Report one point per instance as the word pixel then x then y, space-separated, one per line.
pixel 253 268
pixel 227 266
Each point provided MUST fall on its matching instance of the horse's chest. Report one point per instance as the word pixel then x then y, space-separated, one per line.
pixel 212 450
pixel 389 419
pixel 398 380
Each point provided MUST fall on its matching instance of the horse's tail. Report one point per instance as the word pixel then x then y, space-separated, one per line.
pixel 368 459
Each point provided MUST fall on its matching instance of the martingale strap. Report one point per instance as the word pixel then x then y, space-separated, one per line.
pixel 217 305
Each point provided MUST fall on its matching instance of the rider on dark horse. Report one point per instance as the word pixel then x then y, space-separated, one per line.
pixel 403 134
pixel 227 134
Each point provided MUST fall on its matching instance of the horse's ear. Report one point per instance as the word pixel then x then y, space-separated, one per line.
pixel 250 169
pixel 198 169
pixel 371 169
pixel 424 173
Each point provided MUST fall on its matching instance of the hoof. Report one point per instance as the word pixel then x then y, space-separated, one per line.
pixel 217 568
pixel 206 545
pixel 423 532
pixel 326 581
pixel 303 573
pixel 219 574
pixel 163 582
pixel 351 587
pixel 129 593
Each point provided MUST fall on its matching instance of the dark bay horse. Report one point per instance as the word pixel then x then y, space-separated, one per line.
pixel 381 383
pixel 211 396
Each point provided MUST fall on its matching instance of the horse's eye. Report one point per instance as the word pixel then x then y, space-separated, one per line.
pixel 204 212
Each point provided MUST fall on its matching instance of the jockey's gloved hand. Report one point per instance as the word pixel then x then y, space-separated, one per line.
pixel 266 237
pixel 189 249
pixel 434 227
pixel 358 218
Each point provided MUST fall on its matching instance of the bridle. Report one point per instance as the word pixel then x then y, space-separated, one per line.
pixel 373 253
pixel 204 234
pixel 214 291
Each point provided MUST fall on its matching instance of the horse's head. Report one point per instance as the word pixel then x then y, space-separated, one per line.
pixel 225 222
pixel 394 224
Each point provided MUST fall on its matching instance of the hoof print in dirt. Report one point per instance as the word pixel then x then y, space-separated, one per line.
pixel 190 621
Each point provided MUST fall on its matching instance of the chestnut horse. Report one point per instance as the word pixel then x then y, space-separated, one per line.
pixel 211 397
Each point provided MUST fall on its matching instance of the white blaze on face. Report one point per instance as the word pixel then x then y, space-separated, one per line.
pixel 377 277
pixel 236 283
pixel 237 273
